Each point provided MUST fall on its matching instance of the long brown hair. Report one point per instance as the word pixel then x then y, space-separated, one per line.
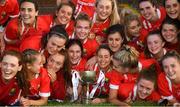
pixel 29 57
pixel 67 67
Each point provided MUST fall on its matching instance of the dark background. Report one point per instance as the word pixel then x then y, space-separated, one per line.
pixel 48 6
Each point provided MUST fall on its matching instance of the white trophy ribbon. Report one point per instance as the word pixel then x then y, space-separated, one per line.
pixel 75 83
pixel 101 80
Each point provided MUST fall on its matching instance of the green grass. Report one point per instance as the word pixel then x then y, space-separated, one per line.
pixel 68 104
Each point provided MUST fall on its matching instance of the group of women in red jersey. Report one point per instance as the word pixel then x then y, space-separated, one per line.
pixel 135 58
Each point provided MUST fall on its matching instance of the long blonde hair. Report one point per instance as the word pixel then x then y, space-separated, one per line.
pixel 114 17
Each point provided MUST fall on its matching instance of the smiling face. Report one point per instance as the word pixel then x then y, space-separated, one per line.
pixel 75 54
pixel 144 88
pixel 147 10
pixel 9 67
pixel 36 65
pixel 82 29
pixel 155 44
pixel 171 67
pixel 28 13
pixel 55 62
pixel 103 58
pixel 55 44
pixel 172 8
pixel 133 28
pixel 169 33
pixel 115 41
pixel 64 14
pixel 104 9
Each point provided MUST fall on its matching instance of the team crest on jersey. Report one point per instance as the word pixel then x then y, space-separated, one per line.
pixel 3 14
pixel 178 92
pixel 12 91
pixel 106 80
pixel 85 51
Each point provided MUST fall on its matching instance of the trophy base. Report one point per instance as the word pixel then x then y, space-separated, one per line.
pixel 86 101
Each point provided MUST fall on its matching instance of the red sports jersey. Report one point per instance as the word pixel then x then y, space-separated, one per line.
pixel 89 47
pixel 20 33
pixel 116 80
pixel 31 42
pixel 119 78
pixel 167 89
pixel 146 63
pixel 10 9
pixel 69 27
pixel 99 28
pixel 40 85
pixel 138 43
pixel 58 87
pixel 85 6
pixel 129 90
pixel 171 46
pixel 80 67
pixel 9 93
pixel 103 87
pixel 130 77
pixel 150 26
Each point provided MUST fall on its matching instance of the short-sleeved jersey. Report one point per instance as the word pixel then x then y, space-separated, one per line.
pixel 58 87
pixel 9 10
pixel 9 92
pixel 129 90
pixel 89 48
pixel 80 67
pixel 40 85
pixel 167 89
pixel 31 42
pixel 99 28
pixel 14 31
pixel 116 80
pixel 150 26
pixel 119 78
pixel 85 6
pixel 102 90
pixel 132 77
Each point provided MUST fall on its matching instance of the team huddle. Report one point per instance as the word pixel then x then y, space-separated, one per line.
pixel 135 53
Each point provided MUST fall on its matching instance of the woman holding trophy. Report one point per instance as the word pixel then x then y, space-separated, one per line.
pixel 100 89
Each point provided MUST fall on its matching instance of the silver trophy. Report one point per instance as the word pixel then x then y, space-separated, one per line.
pixel 88 77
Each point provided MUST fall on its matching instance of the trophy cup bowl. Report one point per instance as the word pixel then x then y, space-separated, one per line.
pixel 88 77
